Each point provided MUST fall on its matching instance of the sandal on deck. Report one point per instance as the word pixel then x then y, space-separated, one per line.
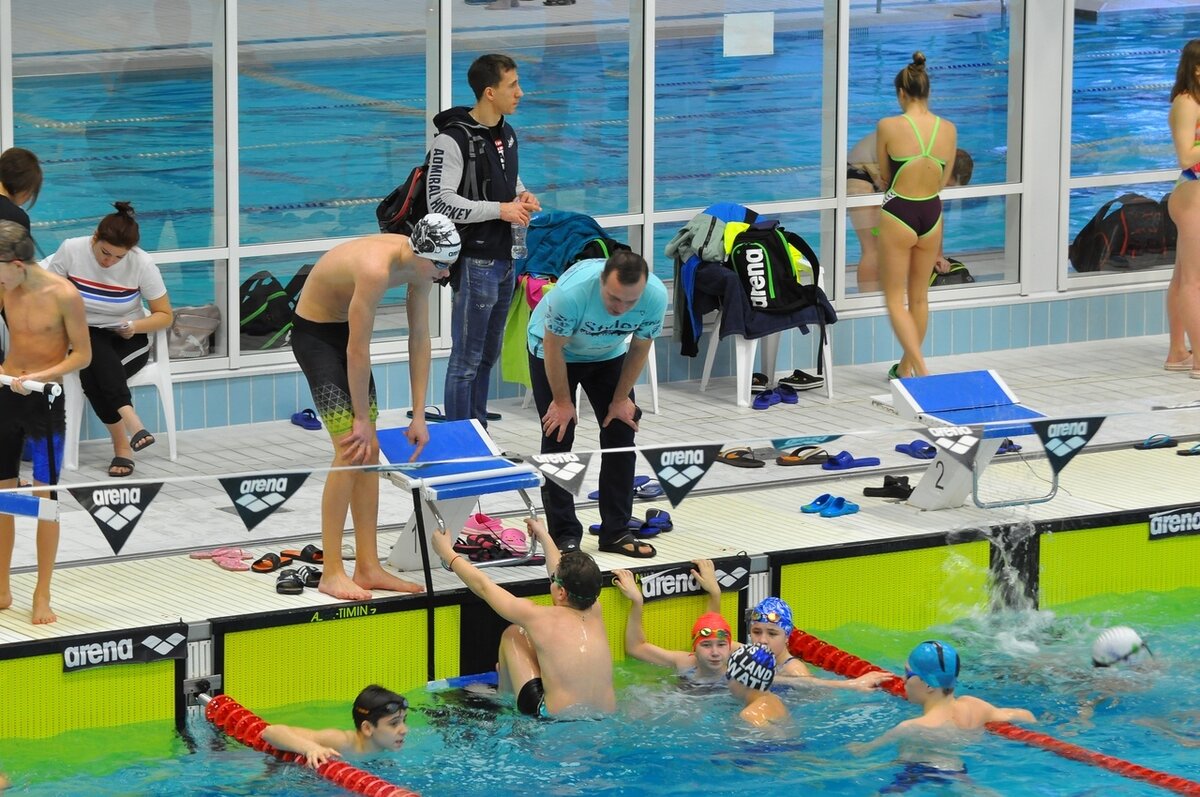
pixel 804 455
pixel 631 547
pixel 118 463
pixel 741 457
pixel 141 439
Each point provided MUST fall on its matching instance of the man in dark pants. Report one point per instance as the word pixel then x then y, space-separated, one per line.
pixel 595 329
pixel 473 180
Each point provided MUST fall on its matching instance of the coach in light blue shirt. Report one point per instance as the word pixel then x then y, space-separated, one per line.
pixel 594 329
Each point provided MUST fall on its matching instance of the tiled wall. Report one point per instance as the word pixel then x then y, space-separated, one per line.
pixel 237 400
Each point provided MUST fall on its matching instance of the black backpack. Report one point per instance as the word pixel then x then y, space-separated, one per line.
pixel 600 248
pixel 957 275
pixel 407 203
pixel 266 312
pixel 769 272
pixel 1137 233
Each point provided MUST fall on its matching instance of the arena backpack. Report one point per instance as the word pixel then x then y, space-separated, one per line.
pixel 957 275
pixel 1136 233
pixel 407 203
pixel 266 312
pixel 771 263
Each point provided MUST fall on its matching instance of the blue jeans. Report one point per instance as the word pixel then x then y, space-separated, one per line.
pixel 479 311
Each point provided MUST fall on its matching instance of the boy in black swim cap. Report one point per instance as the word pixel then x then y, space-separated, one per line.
pixel 379 727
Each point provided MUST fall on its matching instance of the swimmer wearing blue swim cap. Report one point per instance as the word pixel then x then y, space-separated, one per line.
pixel 935 663
pixel 930 677
pixel 750 673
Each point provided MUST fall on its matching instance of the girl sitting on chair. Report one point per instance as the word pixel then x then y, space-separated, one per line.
pixel 113 275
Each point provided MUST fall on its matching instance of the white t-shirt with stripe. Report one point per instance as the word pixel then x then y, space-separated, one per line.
pixel 110 295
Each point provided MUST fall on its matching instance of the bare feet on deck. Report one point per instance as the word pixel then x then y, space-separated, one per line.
pixel 381 579
pixel 342 588
pixel 42 613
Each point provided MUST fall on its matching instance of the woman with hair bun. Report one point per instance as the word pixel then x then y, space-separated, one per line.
pixel 915 152
pixel 1183 293
pixel 113 275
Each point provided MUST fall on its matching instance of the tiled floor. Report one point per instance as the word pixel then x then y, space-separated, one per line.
pixel 1122 380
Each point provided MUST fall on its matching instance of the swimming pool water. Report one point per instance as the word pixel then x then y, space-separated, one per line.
pixel 666 740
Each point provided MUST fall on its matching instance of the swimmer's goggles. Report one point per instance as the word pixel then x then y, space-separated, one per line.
pixel 1136 649
pixel 755 616
pixel 384 710
pixel 707 633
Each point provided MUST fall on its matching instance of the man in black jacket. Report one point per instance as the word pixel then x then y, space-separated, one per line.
pixel 473 179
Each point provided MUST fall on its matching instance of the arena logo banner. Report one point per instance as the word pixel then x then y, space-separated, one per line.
pixel 732 574
pixel 256 497
pixel 1176 523
pixel 116 510
pixel 958 442
pixel 788 443
pixel 566 470
pixel 680 469
pixel 126 647
pixel 1065 437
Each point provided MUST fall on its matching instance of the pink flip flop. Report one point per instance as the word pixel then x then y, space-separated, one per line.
pixel 515 541
pixel 482 522
pixel 222 553
pixel 230 563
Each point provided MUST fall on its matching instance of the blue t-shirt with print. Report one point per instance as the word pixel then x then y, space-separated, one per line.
pixel 574 309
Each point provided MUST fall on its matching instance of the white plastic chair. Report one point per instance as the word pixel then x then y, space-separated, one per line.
pixel 743 352
pixel 157 372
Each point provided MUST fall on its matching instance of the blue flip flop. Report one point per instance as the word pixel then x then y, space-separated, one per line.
pixel 1157 441
pixel 767 399
pixel 917 449
pixel 787 394
pixel 1008 447
pixel 306 419
pixel 638 481
pixel 817 504
pixel 838 507
pixel 636 527
pixel 845 461
pixel 1194 451
pixel 648 491
pixel 659 519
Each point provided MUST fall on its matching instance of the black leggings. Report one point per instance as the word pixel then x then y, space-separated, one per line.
pixel 106 380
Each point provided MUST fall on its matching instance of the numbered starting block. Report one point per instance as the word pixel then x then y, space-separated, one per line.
pixel 459 464
pixel 948 403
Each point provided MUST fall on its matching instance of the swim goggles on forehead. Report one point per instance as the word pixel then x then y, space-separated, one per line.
pixel 755 616
pixel 720 634
pixel 391 707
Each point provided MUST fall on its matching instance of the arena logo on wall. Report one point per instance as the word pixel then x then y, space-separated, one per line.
pixel 732 574
pixel 126 647
pixel 1176 523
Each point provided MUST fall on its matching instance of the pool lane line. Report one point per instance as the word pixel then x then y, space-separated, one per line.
pixel 828 657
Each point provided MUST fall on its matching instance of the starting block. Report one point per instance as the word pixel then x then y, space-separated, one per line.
pixel 969 398
pixel 459 464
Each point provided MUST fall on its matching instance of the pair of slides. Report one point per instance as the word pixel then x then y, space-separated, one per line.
pixel 293 580
pixel 270 562
pixel 231 559
pixel 785 394
pixel 644 489
pixel 485 539
pixel 657 521
pixel 827 505
pixel 893 487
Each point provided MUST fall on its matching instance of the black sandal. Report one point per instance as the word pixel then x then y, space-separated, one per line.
pixel 120 462
pixel 636 548
pixel 141 439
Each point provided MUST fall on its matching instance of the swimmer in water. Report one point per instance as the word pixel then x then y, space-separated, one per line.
pixel 712 638
pixel 771 624
pixel 379 727
pixel 750 673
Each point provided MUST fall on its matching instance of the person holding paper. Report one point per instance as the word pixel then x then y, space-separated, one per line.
pixel 113 275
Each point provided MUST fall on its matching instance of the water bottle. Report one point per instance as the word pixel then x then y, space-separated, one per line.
pixel 519 250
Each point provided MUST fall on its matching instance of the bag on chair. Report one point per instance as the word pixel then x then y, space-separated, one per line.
pixel 772 264
pixel 191 333
pixel 266 313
